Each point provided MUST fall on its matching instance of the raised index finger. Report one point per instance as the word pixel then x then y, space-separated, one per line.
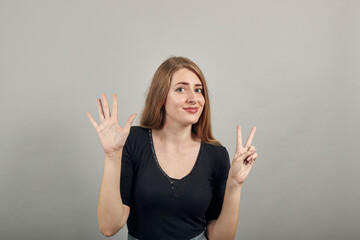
pixel 115 110
pixel 238 140
pixel 250 138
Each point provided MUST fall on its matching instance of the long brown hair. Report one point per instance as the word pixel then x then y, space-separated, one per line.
pixel 153 112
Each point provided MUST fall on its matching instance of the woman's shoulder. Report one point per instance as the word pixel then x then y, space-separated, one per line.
pixel 137 133
pixel 215 150
pixel 214 146
pixel 136 130
pixel 216 158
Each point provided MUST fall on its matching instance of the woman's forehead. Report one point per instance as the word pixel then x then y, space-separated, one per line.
pixel 185 76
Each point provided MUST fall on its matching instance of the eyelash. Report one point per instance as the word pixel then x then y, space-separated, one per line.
pixel 196 89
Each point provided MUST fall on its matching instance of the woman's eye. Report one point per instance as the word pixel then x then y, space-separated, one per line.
pixel 181 89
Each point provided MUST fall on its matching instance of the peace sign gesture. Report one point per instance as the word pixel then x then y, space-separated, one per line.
pixel 244 158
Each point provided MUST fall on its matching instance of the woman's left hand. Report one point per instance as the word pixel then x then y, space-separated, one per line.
pixel 243 160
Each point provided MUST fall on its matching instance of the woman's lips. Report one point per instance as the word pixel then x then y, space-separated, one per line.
pixel 191 110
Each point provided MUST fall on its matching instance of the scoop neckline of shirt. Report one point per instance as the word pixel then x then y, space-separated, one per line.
pixel 162 170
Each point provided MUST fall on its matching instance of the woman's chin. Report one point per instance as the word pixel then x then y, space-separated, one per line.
pixel 192 122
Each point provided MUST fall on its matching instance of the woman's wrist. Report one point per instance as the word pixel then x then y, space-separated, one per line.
pixel 233 185
pixel 114 155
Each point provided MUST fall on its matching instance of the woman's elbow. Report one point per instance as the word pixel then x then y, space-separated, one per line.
pixel 107 232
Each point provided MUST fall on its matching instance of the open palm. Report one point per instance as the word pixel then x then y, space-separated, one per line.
pixel 112 136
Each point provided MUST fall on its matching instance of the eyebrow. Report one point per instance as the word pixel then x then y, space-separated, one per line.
pixel 185 83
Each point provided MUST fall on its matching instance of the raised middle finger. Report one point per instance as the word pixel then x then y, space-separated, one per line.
pixel 106 106
pixel 250 138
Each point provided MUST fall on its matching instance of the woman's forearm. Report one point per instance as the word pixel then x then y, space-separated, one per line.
pixel 110 205
pixel 226 224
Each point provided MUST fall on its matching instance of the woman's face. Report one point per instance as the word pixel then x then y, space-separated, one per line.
pixel 185 100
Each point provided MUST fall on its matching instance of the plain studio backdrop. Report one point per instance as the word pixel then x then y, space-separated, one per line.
pixel 290 68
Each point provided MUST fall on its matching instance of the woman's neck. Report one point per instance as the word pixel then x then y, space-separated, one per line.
pixel 175 136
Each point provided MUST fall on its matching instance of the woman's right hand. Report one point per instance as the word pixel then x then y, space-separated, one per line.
pixel 112 136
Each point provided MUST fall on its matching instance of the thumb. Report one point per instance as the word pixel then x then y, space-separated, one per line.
pixel 130 121
pixel 248 153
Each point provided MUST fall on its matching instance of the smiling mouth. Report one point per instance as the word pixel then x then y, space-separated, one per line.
pixel 191 110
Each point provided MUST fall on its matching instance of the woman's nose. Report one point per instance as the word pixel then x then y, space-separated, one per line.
pixel 191 96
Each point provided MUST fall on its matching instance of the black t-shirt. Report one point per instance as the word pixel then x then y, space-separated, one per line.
pixel 166 208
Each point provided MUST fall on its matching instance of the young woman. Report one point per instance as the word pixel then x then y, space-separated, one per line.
pixel 169 178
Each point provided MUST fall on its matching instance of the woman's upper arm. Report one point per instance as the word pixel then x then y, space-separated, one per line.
pixel 209 229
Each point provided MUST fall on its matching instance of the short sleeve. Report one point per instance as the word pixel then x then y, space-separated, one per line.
pixel 126 171
pixel 219 186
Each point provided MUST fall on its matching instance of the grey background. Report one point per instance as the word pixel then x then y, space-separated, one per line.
pixel 290 68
